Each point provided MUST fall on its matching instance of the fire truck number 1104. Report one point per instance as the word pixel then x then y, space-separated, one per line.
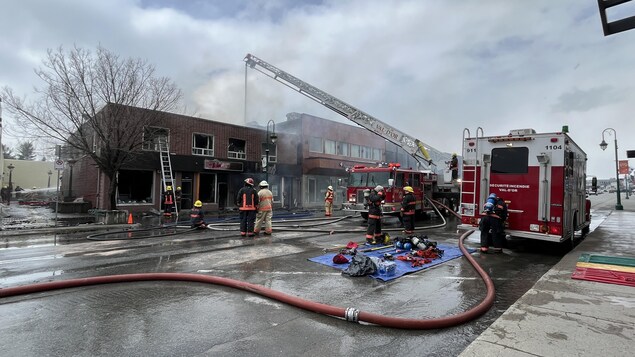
pixel 553 147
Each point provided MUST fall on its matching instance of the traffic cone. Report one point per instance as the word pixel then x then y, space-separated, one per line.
pixel 130 218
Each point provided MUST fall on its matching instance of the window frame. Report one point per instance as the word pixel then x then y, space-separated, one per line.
pixel 200 151
pixel 149 138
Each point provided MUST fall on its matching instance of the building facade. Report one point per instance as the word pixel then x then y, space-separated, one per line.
pixel 210 161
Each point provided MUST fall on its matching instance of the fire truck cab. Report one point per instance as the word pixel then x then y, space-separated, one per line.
pixel 393 178
pixel 541 177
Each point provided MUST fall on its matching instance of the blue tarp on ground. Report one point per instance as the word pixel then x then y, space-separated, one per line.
pixel 403 267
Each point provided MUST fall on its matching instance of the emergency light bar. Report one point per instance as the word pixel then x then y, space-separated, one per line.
pixel 507 138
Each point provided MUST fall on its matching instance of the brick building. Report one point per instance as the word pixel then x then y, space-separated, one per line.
pixel 211 159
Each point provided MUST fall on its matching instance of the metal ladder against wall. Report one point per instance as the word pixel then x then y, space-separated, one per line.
pixel 470 168
pixel 166 165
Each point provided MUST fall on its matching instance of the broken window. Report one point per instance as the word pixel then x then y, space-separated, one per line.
pixel 135 186
pixel 202 144
pixel 153 136
pixel 236 149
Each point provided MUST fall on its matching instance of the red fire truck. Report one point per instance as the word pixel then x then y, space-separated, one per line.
pixel 541 176
pixel 393 178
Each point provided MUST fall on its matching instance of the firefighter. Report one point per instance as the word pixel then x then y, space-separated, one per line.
pixel 328 201
pixel 454 167
pixel 168 201
pixel 247 202
pixel 373 233
pixel 408 206
pixel 492 224
pixel 265 208
pixel 197 215
pixel 178 195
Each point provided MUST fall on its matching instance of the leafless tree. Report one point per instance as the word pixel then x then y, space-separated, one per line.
pixel 96 105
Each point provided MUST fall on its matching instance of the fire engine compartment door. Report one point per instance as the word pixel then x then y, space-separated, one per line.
pixel 544 191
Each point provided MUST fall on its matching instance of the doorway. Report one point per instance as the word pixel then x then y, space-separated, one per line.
pixel 186 190
pixel 222 195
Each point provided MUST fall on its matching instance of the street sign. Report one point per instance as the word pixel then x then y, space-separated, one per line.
pixel 59 164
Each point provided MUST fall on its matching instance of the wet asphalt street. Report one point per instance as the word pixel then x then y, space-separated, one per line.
pixel 194 319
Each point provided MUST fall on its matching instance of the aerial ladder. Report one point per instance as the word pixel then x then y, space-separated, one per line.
pixel 411 145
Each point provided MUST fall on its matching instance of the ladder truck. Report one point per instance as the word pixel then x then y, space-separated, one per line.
pixel 415 147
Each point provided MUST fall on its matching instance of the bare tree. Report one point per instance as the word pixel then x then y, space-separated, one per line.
pixel 96 105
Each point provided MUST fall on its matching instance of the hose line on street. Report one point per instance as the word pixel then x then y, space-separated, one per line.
pixel 349 314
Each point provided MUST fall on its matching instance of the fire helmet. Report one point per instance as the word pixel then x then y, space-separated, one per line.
pixel 379 188
pixel 492 195
pixel 408 189
pixel 340 259
pixel 169 188
pixel 249 181
pixel 263 183
pixel 178 188
pixel 198 204
pixel 330 188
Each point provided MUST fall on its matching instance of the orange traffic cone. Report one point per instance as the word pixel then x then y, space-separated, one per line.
pixel 130 218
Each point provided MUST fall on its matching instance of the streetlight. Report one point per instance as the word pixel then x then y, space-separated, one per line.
pixel 270 137
pixel 71 162
pixel 49 183
pixel 10 167
pixel 603 146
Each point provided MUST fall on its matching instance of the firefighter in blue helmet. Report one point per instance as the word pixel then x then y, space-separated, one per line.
pixel 247 202
pixel 492 224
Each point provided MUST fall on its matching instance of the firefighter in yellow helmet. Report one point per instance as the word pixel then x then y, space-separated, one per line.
pixel 197 215
pixel 178 195
pixel 328 201
pixel 408 208
pixel 168 202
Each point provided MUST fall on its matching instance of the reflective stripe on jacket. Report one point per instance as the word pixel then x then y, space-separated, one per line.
pixel 247 199
pixel 265 198
pixel 408 204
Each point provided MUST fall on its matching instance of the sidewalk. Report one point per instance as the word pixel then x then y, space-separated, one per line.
pixel 561 316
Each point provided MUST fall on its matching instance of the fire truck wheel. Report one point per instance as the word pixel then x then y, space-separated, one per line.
pixel 585 231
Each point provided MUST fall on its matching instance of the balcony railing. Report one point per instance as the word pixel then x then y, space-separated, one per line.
pixel 236 155
pixel 202 152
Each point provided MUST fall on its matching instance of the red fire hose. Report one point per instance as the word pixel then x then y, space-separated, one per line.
pixel 350 314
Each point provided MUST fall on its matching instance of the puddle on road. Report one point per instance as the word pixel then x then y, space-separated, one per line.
pixel 23 279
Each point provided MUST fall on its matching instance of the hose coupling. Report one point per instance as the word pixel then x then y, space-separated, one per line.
pixel 352 314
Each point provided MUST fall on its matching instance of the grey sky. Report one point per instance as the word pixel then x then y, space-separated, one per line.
pixel 431 68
